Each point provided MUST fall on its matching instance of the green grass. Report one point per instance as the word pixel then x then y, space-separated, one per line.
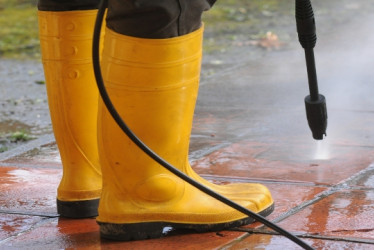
pixel 236 13
pixel 11 139
pixel 231 20
pixel 19 25
pixel 19 29
pixel 20 136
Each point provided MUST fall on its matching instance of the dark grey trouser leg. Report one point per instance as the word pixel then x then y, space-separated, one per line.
pixel 156 18
pixel 67 5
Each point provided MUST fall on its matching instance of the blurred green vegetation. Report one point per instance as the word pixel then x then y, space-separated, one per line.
pixel 19 29
pixel 11 139
pixel 249 18
pixel 243 20
pixel 20 136
pixel 241 11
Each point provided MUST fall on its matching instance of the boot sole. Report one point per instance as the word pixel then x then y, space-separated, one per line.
pixel 78 209
pixel 151 230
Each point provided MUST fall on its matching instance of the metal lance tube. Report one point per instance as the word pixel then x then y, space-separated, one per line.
pixel 315 103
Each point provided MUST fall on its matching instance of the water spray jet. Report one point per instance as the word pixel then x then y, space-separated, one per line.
pixel 322 151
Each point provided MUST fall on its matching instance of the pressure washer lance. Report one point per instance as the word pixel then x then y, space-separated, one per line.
pixel 315 103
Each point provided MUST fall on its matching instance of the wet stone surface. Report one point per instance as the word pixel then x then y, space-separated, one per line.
pixel 65 233
pixel 29 190
pixel 23 102
pixel 13 224
pixel 23 96
pixel 249 126
pixel 273 242
pixel 342 215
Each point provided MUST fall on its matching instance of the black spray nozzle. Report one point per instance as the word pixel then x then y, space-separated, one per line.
pixel 316 114
pixel 315 103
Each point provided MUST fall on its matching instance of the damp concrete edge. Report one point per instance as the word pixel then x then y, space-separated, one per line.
pixel 37 143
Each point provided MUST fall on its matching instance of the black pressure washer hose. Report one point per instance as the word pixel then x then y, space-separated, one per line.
pixel 153 155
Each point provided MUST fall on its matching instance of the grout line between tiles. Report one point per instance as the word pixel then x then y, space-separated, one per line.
pixel 29 213
pixel 322 195
pixel 260 180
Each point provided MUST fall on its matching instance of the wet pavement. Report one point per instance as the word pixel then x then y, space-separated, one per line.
pixel 249 126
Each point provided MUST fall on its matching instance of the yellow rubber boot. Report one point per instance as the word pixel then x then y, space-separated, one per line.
pixel 66 42
pixel 153 84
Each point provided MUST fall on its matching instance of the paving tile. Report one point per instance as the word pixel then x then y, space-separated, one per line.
pixel 13 224
pixel 347 213
pixel 254 160
pixel 287 196
pixel 84 233
pixel 29 190
pixel 269 242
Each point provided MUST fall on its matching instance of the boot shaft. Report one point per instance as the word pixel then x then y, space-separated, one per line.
pixel 66 41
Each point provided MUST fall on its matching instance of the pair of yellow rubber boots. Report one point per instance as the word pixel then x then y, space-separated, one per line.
pixel 153 84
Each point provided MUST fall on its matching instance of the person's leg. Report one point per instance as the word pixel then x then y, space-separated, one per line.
pixel 151 66
pixel 156 19
pixel 66 29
